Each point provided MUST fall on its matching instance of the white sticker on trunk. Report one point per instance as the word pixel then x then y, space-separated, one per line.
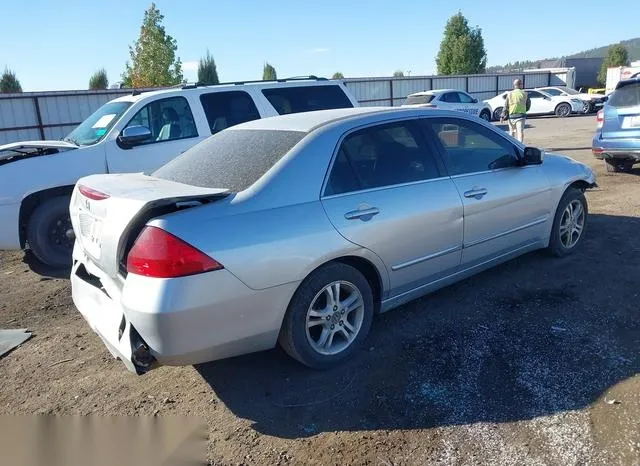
pixel 103 121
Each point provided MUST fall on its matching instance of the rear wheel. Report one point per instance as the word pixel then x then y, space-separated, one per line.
pixel 49 233
pixel 618 166
pixel 485 115
pixel 329 317
pixel 569 223
pixel 563 110
pixel 497 114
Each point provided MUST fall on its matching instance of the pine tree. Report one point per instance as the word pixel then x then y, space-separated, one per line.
pixel 207 72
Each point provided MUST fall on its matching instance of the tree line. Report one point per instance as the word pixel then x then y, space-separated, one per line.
pixel 153 60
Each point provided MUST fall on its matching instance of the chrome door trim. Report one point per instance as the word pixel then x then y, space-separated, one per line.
pixel 418 260
pixel 508 232
pixel 388 304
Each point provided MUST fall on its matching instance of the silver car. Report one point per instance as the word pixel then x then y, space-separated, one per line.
pixel 299 229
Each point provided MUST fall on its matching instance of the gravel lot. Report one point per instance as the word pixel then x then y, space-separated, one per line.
pixel 514 366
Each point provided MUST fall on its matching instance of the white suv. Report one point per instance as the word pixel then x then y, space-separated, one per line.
pixel 134 133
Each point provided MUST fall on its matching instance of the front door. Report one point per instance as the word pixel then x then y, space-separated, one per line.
pixel 173 131
pixel 388 193
pixel 539 105
pixel 506 205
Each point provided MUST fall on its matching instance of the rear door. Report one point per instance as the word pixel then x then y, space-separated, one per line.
pixel 506 206
pixel 622 113
pixel 451 101
pixel 387 192
pixel 173 131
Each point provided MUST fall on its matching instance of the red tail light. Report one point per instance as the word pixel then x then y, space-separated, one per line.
pixel 600 118
pixel 92 193
pixel 157 253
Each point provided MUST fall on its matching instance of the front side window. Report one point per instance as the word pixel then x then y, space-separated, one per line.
pixel 167 119
pixel 226 109
pixel 554 92
pixel 381 156
pixel 469 147
pixel 94 128
pixel 450 97
pixel 306 98
pixel 465 98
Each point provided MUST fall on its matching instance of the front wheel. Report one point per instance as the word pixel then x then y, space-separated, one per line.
pixel 569 223
pixel 329 317
pixel 563 110
pixel 485 115
pixel 49 233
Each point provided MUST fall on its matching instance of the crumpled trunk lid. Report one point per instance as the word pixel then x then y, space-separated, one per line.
pixel 108 216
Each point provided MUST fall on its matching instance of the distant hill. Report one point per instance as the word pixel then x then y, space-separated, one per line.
pixel 632 45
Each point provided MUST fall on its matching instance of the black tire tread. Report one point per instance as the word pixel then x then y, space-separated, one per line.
pixel 33 233
pixel 555 247
pixel 300 302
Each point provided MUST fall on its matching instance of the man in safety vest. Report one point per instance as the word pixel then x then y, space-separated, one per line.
pixel 516 105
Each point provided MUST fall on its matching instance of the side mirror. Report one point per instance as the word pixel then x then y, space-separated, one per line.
pixel 134 135
pixel 532 156
pixel 475 101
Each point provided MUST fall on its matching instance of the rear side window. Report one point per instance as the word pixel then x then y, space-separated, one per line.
pixel 626 96
pixel 419 99
pixel 225 109
pixel 306 98
pixel 231 160
pixel 381 156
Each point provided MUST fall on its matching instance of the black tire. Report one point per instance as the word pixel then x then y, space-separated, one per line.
pixel 556 246
pixel 618 166
pixel 563 110
pixel 497 114
pixel 588 108
pixel 485 115
pixel 47 233
pixel 293 334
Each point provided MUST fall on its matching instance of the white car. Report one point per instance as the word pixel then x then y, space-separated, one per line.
pixel 592 102
pixel 135 133
pixel 449 99
pixel 541 104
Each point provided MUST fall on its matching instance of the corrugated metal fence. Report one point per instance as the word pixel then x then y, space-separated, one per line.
pixel 52 115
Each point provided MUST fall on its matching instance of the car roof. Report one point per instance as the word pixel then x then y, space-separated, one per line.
pixel 309 121
pixel 626 82
pixel 137 95
pixel 435 92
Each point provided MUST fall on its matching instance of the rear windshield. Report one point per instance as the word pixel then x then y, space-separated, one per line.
pixel 306 98
pixel 232 159
pixel 626 96
pixel 419 99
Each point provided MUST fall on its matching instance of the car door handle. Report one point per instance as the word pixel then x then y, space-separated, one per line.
pixel 477 193
pixel 354 214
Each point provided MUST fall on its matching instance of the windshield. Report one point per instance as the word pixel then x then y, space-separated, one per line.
pixel 552 91
pixel 569 91
pixel 419 99
pixel 230 159
pixel 98 124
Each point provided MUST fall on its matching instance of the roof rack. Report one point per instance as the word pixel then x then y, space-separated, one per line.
pixel 240 83
pixel 235 83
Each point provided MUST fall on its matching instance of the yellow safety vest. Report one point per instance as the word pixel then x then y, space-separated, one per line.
pixel 517 102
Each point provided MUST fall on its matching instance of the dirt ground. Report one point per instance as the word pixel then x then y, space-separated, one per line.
pixel 534 362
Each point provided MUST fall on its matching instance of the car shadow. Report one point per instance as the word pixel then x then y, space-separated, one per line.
pixel 532 337
pixel 43 270
pixel 505 126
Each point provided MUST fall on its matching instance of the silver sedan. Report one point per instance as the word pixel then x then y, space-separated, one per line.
pixel 298 229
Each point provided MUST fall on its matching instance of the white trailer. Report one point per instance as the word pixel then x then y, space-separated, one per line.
pixel 618 73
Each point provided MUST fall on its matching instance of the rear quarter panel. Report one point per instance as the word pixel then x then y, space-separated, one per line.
pixel 266 248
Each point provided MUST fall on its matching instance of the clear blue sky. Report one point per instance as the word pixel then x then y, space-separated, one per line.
pixel 57 44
